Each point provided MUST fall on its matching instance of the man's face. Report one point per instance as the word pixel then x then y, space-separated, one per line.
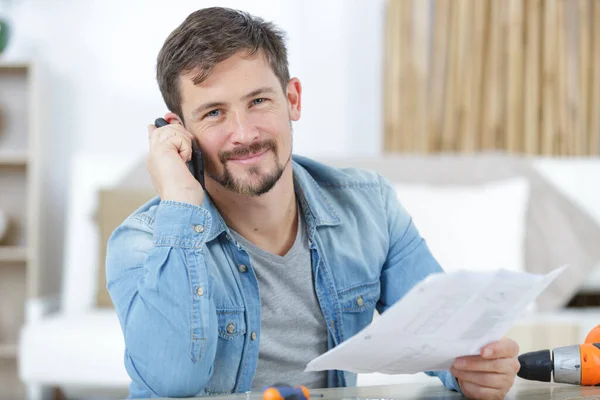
pixel 242 120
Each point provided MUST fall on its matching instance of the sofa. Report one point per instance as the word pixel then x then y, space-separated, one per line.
pixel 478 212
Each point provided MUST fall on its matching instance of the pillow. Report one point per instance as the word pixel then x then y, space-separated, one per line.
pixel 114 206
pixel 476 227
pixel 89 172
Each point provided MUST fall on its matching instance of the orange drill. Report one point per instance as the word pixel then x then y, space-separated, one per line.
pixel 575 364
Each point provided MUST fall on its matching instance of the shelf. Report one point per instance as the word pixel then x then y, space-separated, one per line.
pixel 13 66
pixel 20 200
pixel 13 254
pixel 8 351
pixel 13 158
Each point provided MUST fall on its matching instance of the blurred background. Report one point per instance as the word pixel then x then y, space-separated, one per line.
pixel 484 113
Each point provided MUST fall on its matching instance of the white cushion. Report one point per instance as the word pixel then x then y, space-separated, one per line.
pixel 90 172
pixel 477 228
pixel 74 349
pixel 577 180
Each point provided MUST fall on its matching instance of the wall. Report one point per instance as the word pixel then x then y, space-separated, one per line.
pixel 99 91
pixel 97 58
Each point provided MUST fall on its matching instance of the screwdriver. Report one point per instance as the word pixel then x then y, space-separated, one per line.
pixel 287 392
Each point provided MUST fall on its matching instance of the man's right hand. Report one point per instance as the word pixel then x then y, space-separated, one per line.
pixel 170 149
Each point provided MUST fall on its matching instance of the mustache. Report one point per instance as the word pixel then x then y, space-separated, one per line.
pixel 247 150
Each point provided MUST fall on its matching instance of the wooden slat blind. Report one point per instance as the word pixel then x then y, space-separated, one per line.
pixel 521 76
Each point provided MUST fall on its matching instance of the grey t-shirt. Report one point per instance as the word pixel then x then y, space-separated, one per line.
pixel 293 329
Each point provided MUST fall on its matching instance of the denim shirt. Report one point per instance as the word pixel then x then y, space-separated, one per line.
pixel 188 299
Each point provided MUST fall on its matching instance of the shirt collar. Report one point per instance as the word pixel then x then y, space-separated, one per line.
pixel 317 210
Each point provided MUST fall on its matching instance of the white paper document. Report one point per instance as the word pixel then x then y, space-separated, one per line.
pixel 443 317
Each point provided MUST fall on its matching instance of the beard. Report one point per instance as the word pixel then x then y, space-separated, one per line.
pixel 265 182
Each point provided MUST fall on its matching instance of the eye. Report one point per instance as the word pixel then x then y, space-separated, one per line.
pixel 258 101
pixel 213 113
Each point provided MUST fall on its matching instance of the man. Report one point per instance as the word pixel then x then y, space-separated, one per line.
pixel 280 258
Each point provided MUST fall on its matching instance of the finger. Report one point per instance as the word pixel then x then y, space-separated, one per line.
pixel 477 363
pixel 487 379
pixel 154 134
pixel 476 392
pixel 468 358
pixel 181 129
pixel 182 144
pixel 164 133
pixel 151 128
pixel 167 134
pixel 169 138
pixel 176 128
pixel 502 348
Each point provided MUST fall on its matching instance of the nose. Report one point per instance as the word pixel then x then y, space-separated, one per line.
pixel 243 132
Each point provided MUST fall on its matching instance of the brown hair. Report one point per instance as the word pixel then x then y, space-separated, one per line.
pixel 209 36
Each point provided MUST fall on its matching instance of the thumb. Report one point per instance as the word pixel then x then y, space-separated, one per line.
pixel 186 154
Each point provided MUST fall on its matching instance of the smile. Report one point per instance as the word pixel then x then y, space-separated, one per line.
pixel 250 158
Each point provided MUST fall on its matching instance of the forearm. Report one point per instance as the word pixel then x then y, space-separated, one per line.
pixel 408 262
pixel 159 284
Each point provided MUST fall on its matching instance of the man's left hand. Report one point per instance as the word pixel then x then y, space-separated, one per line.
pixel 491 374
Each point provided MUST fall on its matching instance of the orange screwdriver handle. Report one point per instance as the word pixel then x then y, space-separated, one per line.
pixel 590 364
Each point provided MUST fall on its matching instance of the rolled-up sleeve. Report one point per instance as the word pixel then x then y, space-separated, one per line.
pixel 408 261
pixel 157 280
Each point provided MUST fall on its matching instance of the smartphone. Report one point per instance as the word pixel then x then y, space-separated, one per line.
pixel 196 164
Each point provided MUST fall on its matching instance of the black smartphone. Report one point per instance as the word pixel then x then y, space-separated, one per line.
pixel 195 165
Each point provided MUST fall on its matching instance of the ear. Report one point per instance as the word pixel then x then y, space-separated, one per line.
pixel 294 96
pixel 172 118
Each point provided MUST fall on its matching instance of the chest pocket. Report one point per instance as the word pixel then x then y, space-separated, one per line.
pixel 358 307
pixel 230 345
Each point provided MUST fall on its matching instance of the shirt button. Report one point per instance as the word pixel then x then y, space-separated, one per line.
pixel 359 301
pixel 198 228
pixel 199 291
pixel 242 268
pixel 253 336
pixel 230 328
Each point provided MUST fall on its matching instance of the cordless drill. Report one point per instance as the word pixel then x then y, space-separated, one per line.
pixel 575 364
